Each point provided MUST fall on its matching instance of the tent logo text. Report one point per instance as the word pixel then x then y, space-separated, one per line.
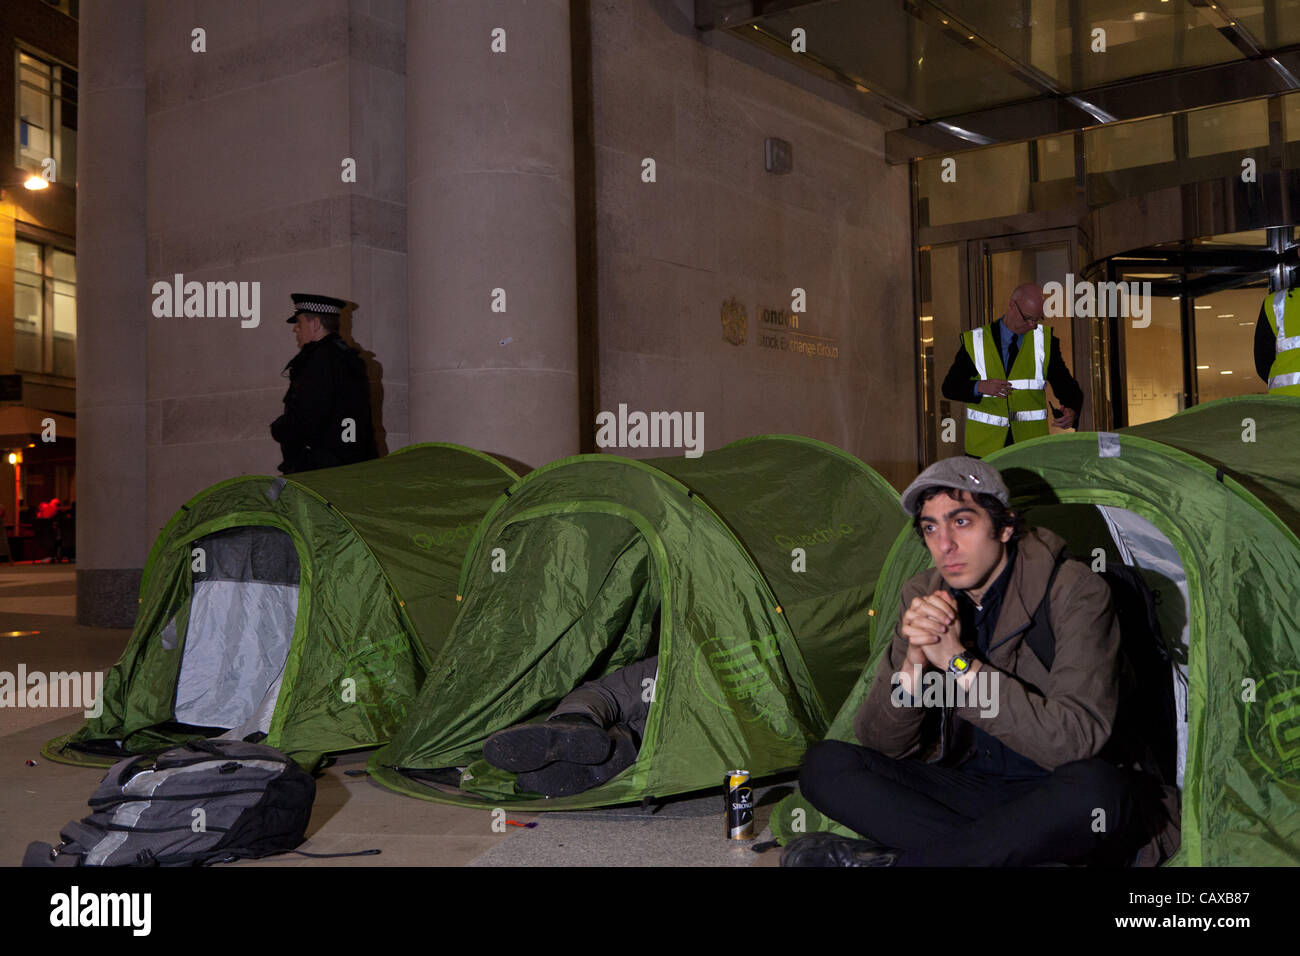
pixel 208 300
pixel 818 536
pixel 651 430
pixel 440 539
pixel 59 689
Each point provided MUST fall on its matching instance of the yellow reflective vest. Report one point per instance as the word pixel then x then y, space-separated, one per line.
pixel 1025 410
pixel 1284 318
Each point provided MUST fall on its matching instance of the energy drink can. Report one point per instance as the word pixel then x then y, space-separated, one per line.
pixel 738 805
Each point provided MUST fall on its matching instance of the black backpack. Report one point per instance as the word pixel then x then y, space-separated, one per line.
pixel 1145 730
pixel 1144 739
pixel 210 801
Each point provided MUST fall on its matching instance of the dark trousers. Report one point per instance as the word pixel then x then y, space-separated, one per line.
pixel 622 697
pixel 941 816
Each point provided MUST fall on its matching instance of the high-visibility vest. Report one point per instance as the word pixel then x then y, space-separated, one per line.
pixel 1284 318
pixel 1025 410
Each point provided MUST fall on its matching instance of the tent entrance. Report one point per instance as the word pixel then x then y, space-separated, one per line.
pixel 560 595
pixel 1117 535
pixel 596 605
pixel 243 611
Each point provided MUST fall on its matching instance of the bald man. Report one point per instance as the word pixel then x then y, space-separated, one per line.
pixel 1001 372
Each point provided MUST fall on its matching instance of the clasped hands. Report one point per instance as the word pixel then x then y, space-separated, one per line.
pixel 932 627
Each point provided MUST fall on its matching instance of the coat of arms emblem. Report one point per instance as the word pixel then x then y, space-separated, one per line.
pixel 735 322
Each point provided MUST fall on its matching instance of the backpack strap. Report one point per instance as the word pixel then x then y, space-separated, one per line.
pixel 1042 639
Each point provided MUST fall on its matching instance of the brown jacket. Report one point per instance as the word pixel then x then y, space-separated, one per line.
pixel 1070 719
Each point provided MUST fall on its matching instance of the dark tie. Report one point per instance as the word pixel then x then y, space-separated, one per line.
pixel 1012 350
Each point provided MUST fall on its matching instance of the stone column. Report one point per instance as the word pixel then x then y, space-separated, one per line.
pixel 112 307
pixel 489 162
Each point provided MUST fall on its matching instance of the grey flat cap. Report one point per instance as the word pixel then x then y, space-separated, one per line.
pixel 966 474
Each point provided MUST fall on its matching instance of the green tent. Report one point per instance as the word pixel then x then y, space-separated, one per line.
pixel 1206 505
pixel 749 569
pixel 307 607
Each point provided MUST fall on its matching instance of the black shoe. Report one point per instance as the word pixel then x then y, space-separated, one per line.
pixel 829 849
pixel 530 746
pixel 563 779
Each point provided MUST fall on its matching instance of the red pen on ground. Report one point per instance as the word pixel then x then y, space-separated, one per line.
pixel 527 826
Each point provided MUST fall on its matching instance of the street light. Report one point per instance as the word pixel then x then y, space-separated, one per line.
pixel 16 459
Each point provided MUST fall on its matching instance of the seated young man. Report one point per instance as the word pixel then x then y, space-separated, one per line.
pixel 1017 780
pixel 592 736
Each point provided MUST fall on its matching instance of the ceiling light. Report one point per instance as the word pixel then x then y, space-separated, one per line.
pixel 1226 371
pixel 1226 315
pixel 1202 366
pixel 1202 307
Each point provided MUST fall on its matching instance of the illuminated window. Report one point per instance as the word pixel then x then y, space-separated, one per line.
pixel 45 309
pixel 47 117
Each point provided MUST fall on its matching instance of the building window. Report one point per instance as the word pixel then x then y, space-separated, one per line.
pixel 47 117
pixel 45 309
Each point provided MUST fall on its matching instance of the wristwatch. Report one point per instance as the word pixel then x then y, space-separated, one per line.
pixel 959 664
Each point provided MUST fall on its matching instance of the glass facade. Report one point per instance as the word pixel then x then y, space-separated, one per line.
pixel 1225 343
pixel 1154 363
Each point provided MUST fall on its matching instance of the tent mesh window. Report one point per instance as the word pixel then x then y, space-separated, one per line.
pixel 242 616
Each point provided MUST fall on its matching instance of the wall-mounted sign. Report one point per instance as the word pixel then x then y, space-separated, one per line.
pixel 787 331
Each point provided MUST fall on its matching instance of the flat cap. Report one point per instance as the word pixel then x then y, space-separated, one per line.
pixel 963 473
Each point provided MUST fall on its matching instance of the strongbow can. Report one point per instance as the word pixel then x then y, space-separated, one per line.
pixel 738 805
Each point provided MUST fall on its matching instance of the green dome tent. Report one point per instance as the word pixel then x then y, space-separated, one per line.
pixel 1206 505
pixel 749 570
pixel 307 608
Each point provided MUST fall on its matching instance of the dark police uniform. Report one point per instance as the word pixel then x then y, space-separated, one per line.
pixel 327 384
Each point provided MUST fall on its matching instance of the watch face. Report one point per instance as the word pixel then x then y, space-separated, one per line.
pixel 959 664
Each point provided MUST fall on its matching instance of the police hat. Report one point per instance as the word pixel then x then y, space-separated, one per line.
pixel 318 304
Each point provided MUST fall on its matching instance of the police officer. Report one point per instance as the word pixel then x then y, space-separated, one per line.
pixel 326 420
pixel 1001 371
